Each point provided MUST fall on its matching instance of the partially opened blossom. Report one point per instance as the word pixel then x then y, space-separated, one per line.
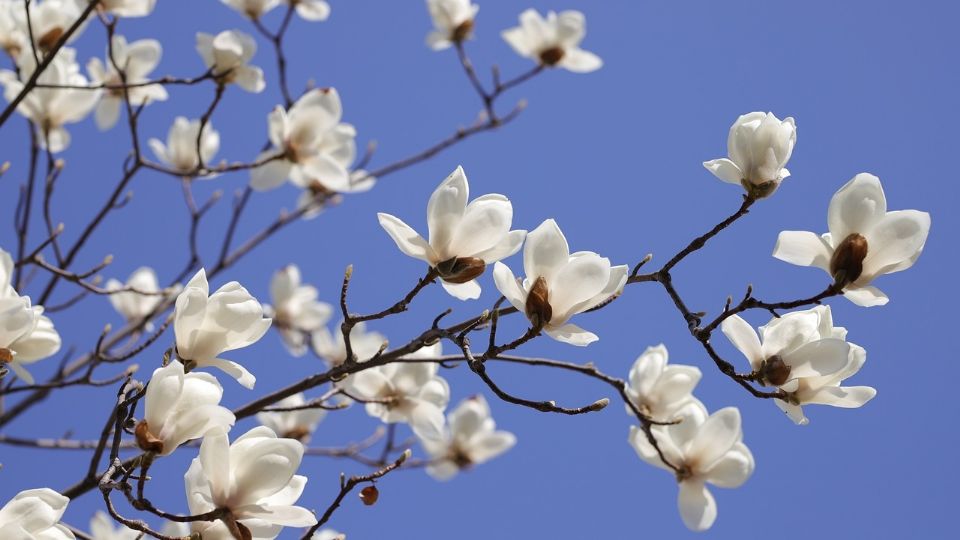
pixel 298 424
pixel 103 527
pixel 296 311
pixel 331 347
pixel 34 514
pixel 865 240
pixel 706 450
pixel 452 22
pixel 254 479
pixel 658 389
pixel 464 238
pixel 180 151
pixel 253 9
pixel 207 325
pixel 131 304
pixel 553 41
pixel 180 407
pixel 228 55
pixel 137 60
pixel 759 146
pixel 128 8
pixel 26 335
pixel 559 284
pixel 805 356
pixel 471 439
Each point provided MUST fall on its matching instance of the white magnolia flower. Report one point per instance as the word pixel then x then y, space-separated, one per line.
pixel 464 238
pixel 804 355
pixel 209 324
pixel 759 146
pixel 311 10
pixel 102 528
pixel 228 54
pixel 34 514
pixel 254 478
pixel 253 9
pixel 296 311
pixel 330 346
pixel 180 152
pixel 175 529
pixel 559 284
pixel 137 60
pixel 409 392
pixel 471 439
pixel 865 241
pixel 658 389
pixel 299 424
pixel 180 407
pixel 452 22
pixel 26 335
pixel 132 305
pixel 50 109
pixel 129 8
pixel 13 34
pixel 706 450
pixel 554 41
pixel 50 19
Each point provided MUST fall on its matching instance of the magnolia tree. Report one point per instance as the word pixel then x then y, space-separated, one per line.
pixel 245 484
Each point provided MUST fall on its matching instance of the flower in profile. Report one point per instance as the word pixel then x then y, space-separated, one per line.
pixel 137 60
pixel 559 284
pixel 128 8
pixel 805 356
pixel 658 389
pixel 228 55
pixel 207 325
pixel 759 146
pixel 296 311
pixel 554 41
pixel 26 335
pixel 34 514
pixel 180 151
pixel 464 238
pixel 865 241
pixel 102 528
pixel 131 304
pixel 254 480
pixel 704 450
pixel 254 9
pixel 471 439
pixel 331 347
pixel 180 407
pixel 298 424
pixel 452 22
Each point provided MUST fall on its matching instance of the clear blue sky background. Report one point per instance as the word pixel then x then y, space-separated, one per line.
pixel 615 156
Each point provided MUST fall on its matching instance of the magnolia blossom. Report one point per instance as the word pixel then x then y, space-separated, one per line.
pixel 133 305
pixel 554 41
pixel 331 347
pixel 49 20
pixel 50 109
pixel 409 392
pixel 254 479
pixel 13 35
pixel 658 389
pixel 759 145
pixel 102 528
pixel 296 311
pixel 207 325
pixel 311 10
pixel 128 8
pixel 706 450
pixel 34 514
pixel 299 424
pixel 26 335
pixel 452 22
pixel 804 355
pixel 180 152
pixel 253 9
pixel 137 60
pixel 176 529
pixel 228 54
pixel 471 439
pixel 865 241
pixel 180 407
pixel 559 284
pixel 464 238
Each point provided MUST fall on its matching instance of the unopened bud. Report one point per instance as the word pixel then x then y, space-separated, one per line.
pixel 461 269
pixel 551 56
pixel 369 495
pixel 846 265
pixel 775 371
pixel 148 442
pixel 599 404
pixel 538 308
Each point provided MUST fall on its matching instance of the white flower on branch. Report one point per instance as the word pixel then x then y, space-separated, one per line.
pixel 252 479
pixel 13 35
pixel 331 347
pixel 705 450
pixel 102 528
pixel 865 241
pixel 207 325
pixel 131 304
pixel 34 514
pixel 452 22
pixel 299 424
pixel 49 20
pixel 129 8
pixel 471 439
pixel 253 9
pixel 759 146
pixel 554 41
pixel 804 355
pixel 464 238
pixel 228 55
pixel 50 109
pixel 296 311
pixel 137 60
pixel 180 407
pixel 180 151
pixel 311 10
pixel 559 284
pixel 658 389
pixel 26 334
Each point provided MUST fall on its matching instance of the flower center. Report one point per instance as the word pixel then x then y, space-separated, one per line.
pixel 461 269
pixel 148 442
pixel 774 371
pixel 846 264
pixel 6 356
pixel 48 40
pixel 551 56
pixel 538 304
pixel 462 31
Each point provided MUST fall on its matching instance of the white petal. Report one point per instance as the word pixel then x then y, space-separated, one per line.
pixel 580 61
pixel 847 397
pixel 818 358
pixel 508 286
pixel 868 296
pixel 725 170
pixel 698 509
pixel 235 370
pixel 572 334
pixel 895 243
pixel 803 248
pixel 715 437
pixel 510 244
pixel 445 208
pixel 407 239
pixel 313 10
pixel 463 291
pixel 546 250
pixel 270 175
pixel 856 207
pixel 744 338
pixel 733 469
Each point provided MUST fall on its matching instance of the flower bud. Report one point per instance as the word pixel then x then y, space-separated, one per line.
pixel 551 56
pixel 369 495
pixel 461 269
pixel 846 265
pixel 148 442
pixel 538 308
pixel 775 371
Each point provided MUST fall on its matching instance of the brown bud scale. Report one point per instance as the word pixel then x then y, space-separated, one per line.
pixel 538 308
pixel 775 371
pixel 551 56
pixel 369 495
pixel 846 264
pixel 461 269
pixel 148 442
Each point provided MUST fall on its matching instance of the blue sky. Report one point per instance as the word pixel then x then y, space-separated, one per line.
pixel 615 156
